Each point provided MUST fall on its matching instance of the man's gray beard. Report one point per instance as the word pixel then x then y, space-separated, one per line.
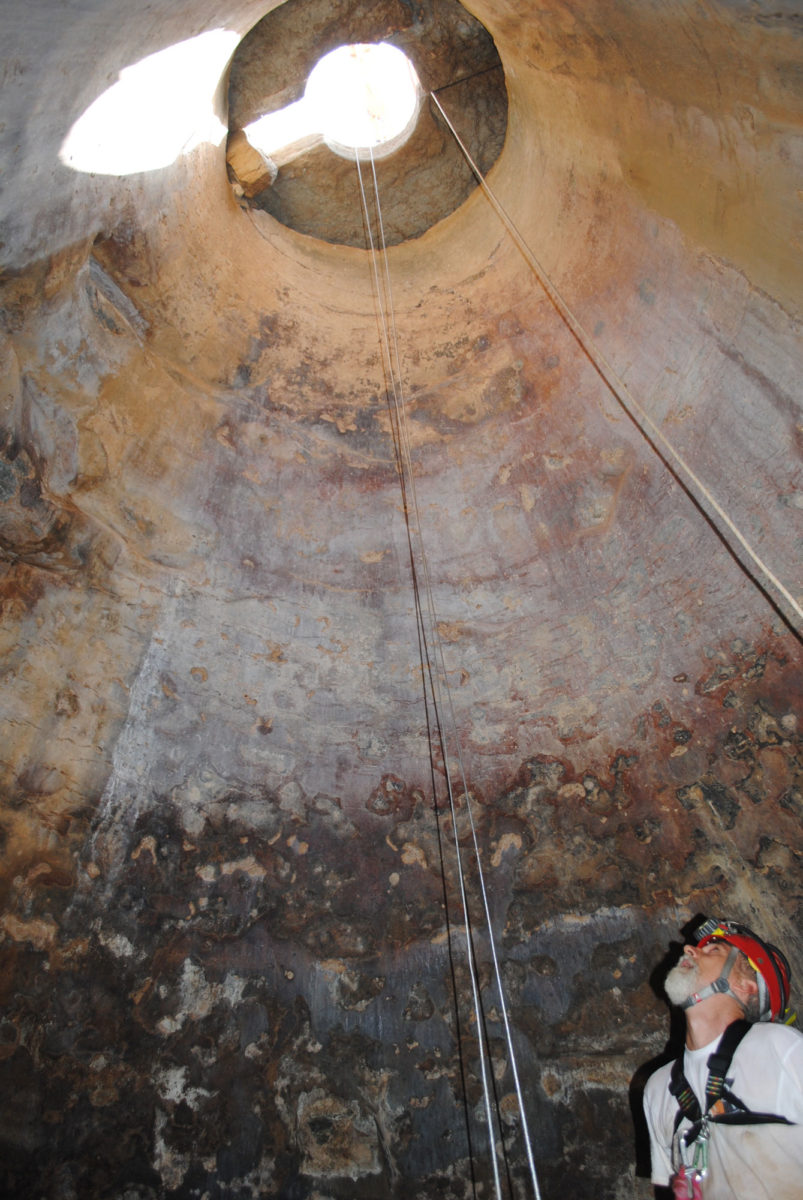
pixel 681 982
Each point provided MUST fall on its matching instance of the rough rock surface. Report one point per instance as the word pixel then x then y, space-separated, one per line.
pixel 231 950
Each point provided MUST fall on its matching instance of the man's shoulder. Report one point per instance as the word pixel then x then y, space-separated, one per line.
pixel 768 1035
pixel 771 1047
pixel 788 1033
pixel 658 1082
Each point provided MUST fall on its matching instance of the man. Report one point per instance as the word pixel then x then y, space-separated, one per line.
pixel 731 1128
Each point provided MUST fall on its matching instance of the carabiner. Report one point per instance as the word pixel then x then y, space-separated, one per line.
pixel 699 1162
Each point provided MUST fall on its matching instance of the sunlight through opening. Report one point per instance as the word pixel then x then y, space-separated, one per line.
pixel 158 109
pixel 362 98
pixel 365 96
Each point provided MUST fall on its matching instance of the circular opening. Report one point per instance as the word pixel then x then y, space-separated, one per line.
pixel 366 98
pixel 294 158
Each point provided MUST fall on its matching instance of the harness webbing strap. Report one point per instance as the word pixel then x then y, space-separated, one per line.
pixel 718 1066
pixel 719 1062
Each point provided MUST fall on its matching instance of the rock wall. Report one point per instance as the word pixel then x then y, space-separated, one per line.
pixel 232 947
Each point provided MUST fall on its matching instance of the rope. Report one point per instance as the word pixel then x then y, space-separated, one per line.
pixel 407 476
pixel 682 472
pixel 402 448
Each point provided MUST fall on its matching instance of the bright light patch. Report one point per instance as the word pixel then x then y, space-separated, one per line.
pixel 363 95
pixel 158 109
pixel 358 98
pixel 282 129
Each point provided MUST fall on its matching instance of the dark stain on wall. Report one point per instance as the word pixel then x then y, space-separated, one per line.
pixel 271 1005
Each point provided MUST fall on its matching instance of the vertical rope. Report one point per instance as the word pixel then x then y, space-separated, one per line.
pixel 692 485
pixel 439 685
pixel 395 382
pixel 458 751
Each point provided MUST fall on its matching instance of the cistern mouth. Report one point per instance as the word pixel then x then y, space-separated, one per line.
pixel 361 89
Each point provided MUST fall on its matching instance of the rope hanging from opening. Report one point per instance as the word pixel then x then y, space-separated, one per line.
pixel 434 666
pixel 689 481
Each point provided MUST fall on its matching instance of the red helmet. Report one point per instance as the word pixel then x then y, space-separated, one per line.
pixel 772 970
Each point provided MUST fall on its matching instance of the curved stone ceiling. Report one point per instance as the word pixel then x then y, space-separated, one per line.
pixel 225 954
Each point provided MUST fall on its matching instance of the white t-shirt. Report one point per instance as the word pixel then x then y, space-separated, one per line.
pixel 745 1162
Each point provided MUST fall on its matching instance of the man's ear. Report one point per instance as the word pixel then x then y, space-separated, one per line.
pixel 744 985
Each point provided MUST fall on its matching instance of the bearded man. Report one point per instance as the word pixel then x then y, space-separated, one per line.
pixel 726 1119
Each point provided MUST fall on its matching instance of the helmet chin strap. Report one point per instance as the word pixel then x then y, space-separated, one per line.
pixel 719 987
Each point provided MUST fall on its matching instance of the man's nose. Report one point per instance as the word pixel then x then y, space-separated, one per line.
pixel 690 951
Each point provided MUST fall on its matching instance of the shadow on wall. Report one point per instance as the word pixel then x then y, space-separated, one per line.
pixel 673 1047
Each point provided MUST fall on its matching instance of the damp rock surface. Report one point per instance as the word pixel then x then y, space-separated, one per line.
pixel 232 946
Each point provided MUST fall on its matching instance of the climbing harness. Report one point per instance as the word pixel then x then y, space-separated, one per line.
pixel 436 683
pixel 722 1107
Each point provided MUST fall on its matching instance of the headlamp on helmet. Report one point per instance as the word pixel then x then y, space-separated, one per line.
pixel 772 970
